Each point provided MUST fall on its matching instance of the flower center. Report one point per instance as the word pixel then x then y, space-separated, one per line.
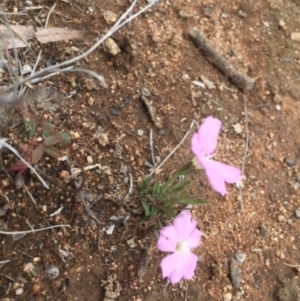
pixel 181 247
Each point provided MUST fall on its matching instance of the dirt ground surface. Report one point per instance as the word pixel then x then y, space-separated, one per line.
pixel 110 127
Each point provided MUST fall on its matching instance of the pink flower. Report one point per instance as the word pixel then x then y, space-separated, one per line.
pixel 204 144
pixel 179 238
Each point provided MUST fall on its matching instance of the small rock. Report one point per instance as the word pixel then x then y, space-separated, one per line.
pixel 109 16
pixel 198 84
pixel 208 12
pixel 242 14
pixel 19 181
pixel 110 230
pixel 227 297
pixel 19 291
pixel 290 161
pixel 26 69
pixel 281 24
pixel 235 273
pixel 277 99
pixel 186 14
pixel 262 231
pixel 111 47
pixel 237 128
pixel 131 243
pixel 140 162
pixel 89 160
pixel 91 101
pixel 209 85
pixel 102 138
pixel 280 218
pixel 52 272
pixel 140 132
pixel 64 174
pixel 75 49
pixel 224 15
pixel 297 213
pixel 240 256
pixel 123 169
pixel 295 36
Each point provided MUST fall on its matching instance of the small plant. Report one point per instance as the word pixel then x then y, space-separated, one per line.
pixel 168 197
pixel 34 150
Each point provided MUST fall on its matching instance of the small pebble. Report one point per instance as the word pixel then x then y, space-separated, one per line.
pixel 281 24
pixel 297 213
pixel 295 36
pixel 240 256
pixel 242 14
pixel 227 297
pixel 290 161
pixel 111 47
pixel 262 231
pixel 237 128
pixel 91 101
pixel 140 132
pixel 19 291
pixel 277 99
pixel 52 272
pixel 109 16
pixel 64 174
pixel 281 218
pixel 89 160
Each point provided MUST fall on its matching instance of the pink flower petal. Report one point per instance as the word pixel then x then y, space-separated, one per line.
pixel 172 267
pixel 176 266
pixel 204 142
pixel 184 224
pixel 190 265
pixel 218 173
pixel 193 241
pixel 167 239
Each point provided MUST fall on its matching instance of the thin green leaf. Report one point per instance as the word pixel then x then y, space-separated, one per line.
pixel 146 208
pixel 179 186
pixel 52 151
pixel 170 212
pixel 37 154
pixel 47 130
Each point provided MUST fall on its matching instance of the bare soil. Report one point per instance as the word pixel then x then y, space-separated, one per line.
pixel 157 54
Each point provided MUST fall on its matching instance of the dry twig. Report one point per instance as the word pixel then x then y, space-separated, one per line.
pixel 246 150
pixel 240 80
pixel 33 230
pixel 175 149
pixel 3 144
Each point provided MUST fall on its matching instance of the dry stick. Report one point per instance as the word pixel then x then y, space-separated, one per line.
pixel 246 149
pixel 116 27
pixel 70 70
pixel 130 185
pixel 3 144
pixel 87 208
pixel 151 147
pixel 32 231
pixel 240 80
pixel 48 16
pixel 175 149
